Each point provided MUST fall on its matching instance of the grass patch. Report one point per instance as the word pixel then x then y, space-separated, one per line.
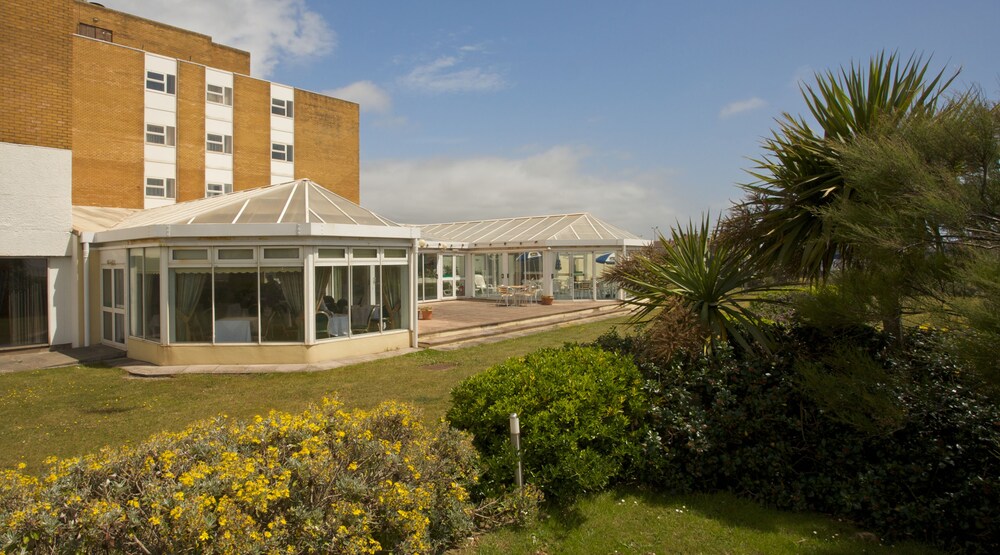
pixel 76 410
pixel 640 522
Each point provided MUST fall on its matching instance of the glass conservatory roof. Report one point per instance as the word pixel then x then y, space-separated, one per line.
pixel 575 228
pixel 295 202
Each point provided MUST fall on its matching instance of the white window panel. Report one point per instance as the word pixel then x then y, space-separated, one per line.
pixel 165 135
pixel 161 187
pixel 219 94
pixel 216 189
pixel 218 143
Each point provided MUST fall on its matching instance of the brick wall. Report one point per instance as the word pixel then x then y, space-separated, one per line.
pixel 190 132
pixel 34 81
pixel 251 133
pixel 159 38
pixel 108 125
pixel 326 143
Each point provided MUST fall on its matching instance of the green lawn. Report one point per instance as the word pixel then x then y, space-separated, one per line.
pixel 638 522
pixel 75 410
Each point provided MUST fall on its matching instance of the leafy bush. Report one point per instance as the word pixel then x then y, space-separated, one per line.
pixel 578 408
pixel 919 458
pixel 322 481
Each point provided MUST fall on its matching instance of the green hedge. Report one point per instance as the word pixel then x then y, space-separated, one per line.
pixel 579 408
pixel 839 422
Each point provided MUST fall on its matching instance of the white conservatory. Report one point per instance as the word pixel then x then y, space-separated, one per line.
pixel 288 273
pixel 292 273
pixel 565 256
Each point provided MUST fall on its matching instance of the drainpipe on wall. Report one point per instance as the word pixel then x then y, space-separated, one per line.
pixel 413 289
pixel 86 238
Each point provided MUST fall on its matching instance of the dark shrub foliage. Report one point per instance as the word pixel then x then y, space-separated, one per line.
pixel 750 424
pixel 578 407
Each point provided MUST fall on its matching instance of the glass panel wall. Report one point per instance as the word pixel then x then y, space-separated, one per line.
pixel 427 277
pixel 368 295
pixel 605 262
pixel 574 276
pixel 333 302
pixel 190 304
pixel 144 293
pixel 281 304
pixel 525 268
pixel 452 276
pixel 24 316
pixel 487 274
pixel 236 304
pixel 113 305
pixel 395 297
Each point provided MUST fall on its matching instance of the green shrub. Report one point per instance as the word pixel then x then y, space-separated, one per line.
pixel 920 458
pixel 578 408
pixel 322 481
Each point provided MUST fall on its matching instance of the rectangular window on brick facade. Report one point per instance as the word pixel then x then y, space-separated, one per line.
pixel 216 189
pixel 217 94
pixel 160 187
pixel 160 134
pixel 94 32
pixel 161 82
pixel 281 151
pixel 281 107
pixel 222 144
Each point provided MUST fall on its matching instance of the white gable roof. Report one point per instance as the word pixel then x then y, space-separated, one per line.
pixel 563 229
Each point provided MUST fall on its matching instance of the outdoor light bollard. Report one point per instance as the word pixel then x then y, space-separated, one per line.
pixel 515 440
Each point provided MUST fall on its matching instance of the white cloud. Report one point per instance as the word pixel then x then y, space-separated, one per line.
pixel 741 106
pixel 370 96
pixel 549 182
pixel 271 30
pixel 448 74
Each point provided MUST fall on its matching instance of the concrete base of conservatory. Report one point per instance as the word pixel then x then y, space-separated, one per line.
pixel 200 354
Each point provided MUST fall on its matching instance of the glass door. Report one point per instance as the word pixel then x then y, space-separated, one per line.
pixel 488 273
pixel 23 302
pixel 113 306
pixel 574 276
pixel 452 276
pixel 427 279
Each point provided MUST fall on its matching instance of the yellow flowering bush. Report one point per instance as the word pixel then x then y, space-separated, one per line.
pixel 323 481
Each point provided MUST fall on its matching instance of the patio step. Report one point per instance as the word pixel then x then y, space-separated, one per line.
pixel 491 332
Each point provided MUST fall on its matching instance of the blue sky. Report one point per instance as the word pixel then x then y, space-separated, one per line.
pixel 642 113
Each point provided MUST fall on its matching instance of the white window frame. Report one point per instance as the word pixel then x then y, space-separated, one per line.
pixel 282 151
pixel 222 145
pixel 161 82
pixel 283 108
pixel 218 189
pixel 219 94
pixel 163 135
pixel 162 187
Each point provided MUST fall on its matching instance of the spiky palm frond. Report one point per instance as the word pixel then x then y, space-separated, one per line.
pixel 798 175
pixel 712 279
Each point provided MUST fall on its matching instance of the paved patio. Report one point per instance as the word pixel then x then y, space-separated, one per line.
pixel 452 322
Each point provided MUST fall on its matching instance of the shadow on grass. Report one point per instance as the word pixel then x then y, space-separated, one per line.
pixel 644 521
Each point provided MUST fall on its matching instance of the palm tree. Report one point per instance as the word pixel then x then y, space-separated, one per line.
pixel 695 271
pixel 798 176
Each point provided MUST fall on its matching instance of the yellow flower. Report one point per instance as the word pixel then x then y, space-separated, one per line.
pixel 203 536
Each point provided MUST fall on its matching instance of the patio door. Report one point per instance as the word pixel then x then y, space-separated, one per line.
pixel 487 274
pixel 574 276
pixel 524 268
pixel 452 276
pixel 113 306
pixel 427 278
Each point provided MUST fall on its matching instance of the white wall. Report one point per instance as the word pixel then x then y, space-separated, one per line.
pixel 62 296
pixel 36 212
